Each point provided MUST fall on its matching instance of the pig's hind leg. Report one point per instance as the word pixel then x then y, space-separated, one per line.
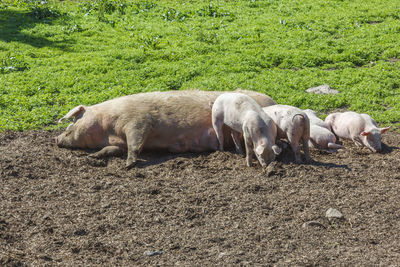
pixel 135 139
pixel 294 144
pixel 217 123
pixel 306 149
pixel 236 139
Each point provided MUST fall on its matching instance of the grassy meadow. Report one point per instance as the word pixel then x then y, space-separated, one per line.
pixel 55 55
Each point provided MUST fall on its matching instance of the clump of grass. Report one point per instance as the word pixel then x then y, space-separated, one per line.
pixel 12 63
pixel 171 14
pixel 214 11
pixel 39 9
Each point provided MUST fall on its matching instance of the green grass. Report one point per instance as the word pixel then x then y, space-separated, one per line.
pixel 55 55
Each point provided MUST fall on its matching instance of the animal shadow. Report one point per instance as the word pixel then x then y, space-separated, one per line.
pixel 287 157
pixel 150 158
pixel 387 149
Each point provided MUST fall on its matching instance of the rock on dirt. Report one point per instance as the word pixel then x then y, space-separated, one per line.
pixel 333 213
pixel 153 253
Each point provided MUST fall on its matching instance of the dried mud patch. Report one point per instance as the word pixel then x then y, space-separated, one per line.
pixel 60 206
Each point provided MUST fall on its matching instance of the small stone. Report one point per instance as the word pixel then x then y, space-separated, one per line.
pixel 222 254
pixel 322 90
pixel 333 213
pixel 153 253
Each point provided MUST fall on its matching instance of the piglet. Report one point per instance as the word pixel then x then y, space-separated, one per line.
pixel 243 115
pixel 321 136
pixel 360 128
pixel 292 124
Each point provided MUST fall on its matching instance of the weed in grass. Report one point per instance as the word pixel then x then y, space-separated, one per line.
pixel 211 10
pixel 173 15
pixel 150 42
pixel 143 6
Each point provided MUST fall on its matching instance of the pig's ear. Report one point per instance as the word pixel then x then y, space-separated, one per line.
pixel 277 150
pixel 384 130
pixel 69 127
pixel 76 111
pixel 365 133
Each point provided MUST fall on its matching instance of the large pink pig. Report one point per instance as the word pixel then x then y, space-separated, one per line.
pixel 176 121
pixel 360 128
pixel 292 124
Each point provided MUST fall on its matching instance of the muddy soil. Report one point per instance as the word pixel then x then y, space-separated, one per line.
pixel 60 206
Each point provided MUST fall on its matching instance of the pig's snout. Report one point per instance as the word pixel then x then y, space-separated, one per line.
pixel 56 141
pixel 376 149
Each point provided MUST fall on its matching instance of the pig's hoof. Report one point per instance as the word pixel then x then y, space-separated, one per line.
pixel 241 153
pixel 130 164
pixel 298 161
pixel 95 155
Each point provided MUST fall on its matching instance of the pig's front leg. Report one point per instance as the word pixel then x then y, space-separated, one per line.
pixel 108 151
pixel 236 140
pixel 357 141
pixel 249 150
pixel 261 160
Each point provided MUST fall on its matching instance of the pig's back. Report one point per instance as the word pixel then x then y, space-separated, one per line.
pixel 348 124
pixel 369 121
pixel 314 120
pixel 262 99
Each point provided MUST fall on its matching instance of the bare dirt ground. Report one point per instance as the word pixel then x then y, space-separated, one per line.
pixel 60 206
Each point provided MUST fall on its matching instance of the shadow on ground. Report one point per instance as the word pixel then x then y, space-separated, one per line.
pixel 13 26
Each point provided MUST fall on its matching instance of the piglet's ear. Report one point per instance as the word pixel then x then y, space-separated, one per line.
pixel 259 149
pixel 277 150
pixel 75 112
pixel 365 133
pixel 384 130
